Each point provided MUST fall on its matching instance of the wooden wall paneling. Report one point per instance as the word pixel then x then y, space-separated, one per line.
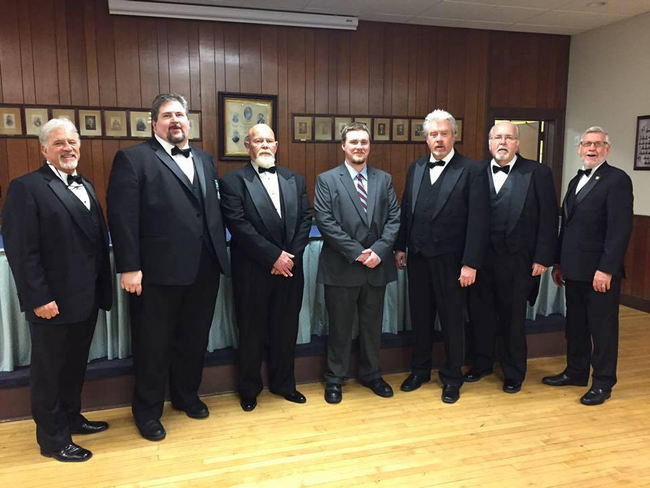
pixel 76 41
pixel 388 70
pixel 250 59
pixel 105 55
pixel 195 66
pixel 483 40
pixel 44 51
pixel 475 51
pixel 162 30
pixel 127 69
pixel 11 78
pixel 269 59
pixel 413 62
pixel 24 68
pixel 62 54
pixel 220 83
pixel 359 50
pixel 147 44
pixel 334 157
pixel 108 150
pixel 513 65
pixel 530 80
pixel 343 73
pixel 208 88
pixel 284 128
pixel 321 71
pixel 179 58
pixel 295 83
pixel 442 52
pixel 562 44
pixel 310 105
pixel 645 271
pixel 499 54
pixel 422 71
pixel 232 53
pixel 400 69
pixel 639 253
pixel 99 168
pixel 34 157
pixel 457 73
pixel 4 170
pixel 376 53
pixel 17 158
pixel 92 67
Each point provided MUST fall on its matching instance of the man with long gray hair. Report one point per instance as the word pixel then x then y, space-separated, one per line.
pixel 56 243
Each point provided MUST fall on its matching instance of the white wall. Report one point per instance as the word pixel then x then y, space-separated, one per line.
pixel 609 86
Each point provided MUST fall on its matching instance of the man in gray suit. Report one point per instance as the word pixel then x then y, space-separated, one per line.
pixel 358 216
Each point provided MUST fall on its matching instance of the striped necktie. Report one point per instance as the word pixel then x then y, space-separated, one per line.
pixel 363 196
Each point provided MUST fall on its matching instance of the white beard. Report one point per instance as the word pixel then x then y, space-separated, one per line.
pixel 70 165
pixel 265 160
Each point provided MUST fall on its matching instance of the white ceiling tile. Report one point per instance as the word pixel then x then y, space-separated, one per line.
pixel 562 18
pixel 545 29
pixel 621 7
pixel 344 7
pixel 477 24
pixel 438 22
pixel 277 4
pixel 542 4
pixel 401 7
pixel 398 19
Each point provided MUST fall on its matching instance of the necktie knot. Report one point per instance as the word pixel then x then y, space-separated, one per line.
pixel 585 172
pixel 184 152
pixel 433 164
pixel 505 169
pixel 74 179
pixel 264 170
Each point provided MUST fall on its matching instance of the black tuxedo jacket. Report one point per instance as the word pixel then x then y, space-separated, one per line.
pixel 254 224
pixel 154 216
pixel 595 232
pixel 533 216
pixel 460 221
pixel 52 254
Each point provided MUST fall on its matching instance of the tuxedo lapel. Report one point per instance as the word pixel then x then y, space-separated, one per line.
pixel 71 203
pixel 171 164
pixel 451 174
pixel 417 181
pixel 348 184
pixel 262 201
pixel 93 196
pixel 520 184
pixel 593 181
pixel 373 181
pixel 199 170
pixel 570 193
pixel 289 195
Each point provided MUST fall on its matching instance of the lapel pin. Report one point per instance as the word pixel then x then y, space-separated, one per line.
pixel 597 177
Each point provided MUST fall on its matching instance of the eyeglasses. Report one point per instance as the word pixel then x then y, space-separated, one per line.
pixel 503 138
pixel 597 144
pixel 261 142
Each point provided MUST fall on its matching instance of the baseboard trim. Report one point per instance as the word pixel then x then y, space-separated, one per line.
pixel 635 302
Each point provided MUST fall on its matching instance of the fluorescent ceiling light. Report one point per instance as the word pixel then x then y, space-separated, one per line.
pixel 228 14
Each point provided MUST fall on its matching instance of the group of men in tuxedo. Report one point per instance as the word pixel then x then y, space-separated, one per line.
pixel 490 228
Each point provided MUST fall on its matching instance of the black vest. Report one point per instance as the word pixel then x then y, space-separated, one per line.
pixel 91 222
pixel 196 189
pixel 420 238
pixel 500 210
pixel 278 221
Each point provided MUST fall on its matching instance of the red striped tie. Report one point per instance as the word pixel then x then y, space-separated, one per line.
pixel 363 196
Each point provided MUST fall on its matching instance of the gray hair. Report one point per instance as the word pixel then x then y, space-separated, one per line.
pixel 595 129
pixel 439 116
pixel 55 124
pixel 162 99
pixel 505 122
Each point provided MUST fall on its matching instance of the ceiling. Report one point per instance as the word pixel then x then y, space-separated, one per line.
pixel 545 16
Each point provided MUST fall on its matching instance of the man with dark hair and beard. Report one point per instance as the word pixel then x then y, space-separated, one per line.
pixel 267 212
pixel 169 243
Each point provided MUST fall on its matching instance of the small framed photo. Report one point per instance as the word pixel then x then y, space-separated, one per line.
pixel 417 130
pixel 459 130
pixel 367 121
pixel 195 126
pixel 381 130
pixel 35 118
pixel 11 123
pixel 90 123
pixel 64 113
pixel 302 128
pixel 339 125
pixel 140 124
pixel 323 129
pixel 642 143
pixel 115 123
pixel 400 130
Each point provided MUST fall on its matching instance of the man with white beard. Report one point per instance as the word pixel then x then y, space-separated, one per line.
pixel 57 246
pixel 266 209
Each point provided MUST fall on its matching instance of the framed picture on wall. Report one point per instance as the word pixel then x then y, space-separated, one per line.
pixel 140 124
pixel 238 112
pixel 400 130
pixel 115 123
pixel 195 126
pixel 367 121
pixel 417 130
pixel 642 143
pixel 65 113
pixel 35 118
pixel 90 123
pixel 459 127
pixel 11 123
pixel 381 130
pixel 339 124
pixel 323 129
pixel 302 128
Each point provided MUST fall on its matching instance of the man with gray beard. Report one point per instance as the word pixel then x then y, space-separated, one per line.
pixel 266 209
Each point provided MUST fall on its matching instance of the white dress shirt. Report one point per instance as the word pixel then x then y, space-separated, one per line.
pixel 78 189
pixel 585 179
pixel 500 177
pixel 270 182
pixel 354 175
pixel 185 164
pixel 436 171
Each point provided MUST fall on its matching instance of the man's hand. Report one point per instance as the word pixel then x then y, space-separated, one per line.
pixel 47 311
pixel 467 276
pixel 539 269
pixel 602 281
pixel 372 259
pixel 132 282
pixel 558 275
pixel 283 265
pixel 400 259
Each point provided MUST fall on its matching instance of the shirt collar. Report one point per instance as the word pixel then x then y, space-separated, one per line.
pixel 62 176
pixel 256 167
pixel 353 172
pixel 593 170
pixel 167 146
pixel 511 163
pixel 446 159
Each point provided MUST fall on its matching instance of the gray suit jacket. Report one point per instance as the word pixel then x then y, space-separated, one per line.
pixel 347 230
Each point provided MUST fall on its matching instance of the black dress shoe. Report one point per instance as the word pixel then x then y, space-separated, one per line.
pixel 88 427
pixel 450 394
pixel 152 430
pixel 595 396
pixel 562 379
pixel 296 397
pixel 197 411
pixel 72 453
pixel 248 404
pixel 333 393
pixel 511 386
pixel 473 375
pixel 414 381
pixel 379 387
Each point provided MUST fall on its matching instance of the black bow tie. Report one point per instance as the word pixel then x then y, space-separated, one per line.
pixel 184 152
pixel 433 164
pixel 264 170
pixel 74 179
pixel 585 172
pixel 505 169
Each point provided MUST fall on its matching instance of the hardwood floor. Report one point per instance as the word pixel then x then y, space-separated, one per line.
pixel 540 437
